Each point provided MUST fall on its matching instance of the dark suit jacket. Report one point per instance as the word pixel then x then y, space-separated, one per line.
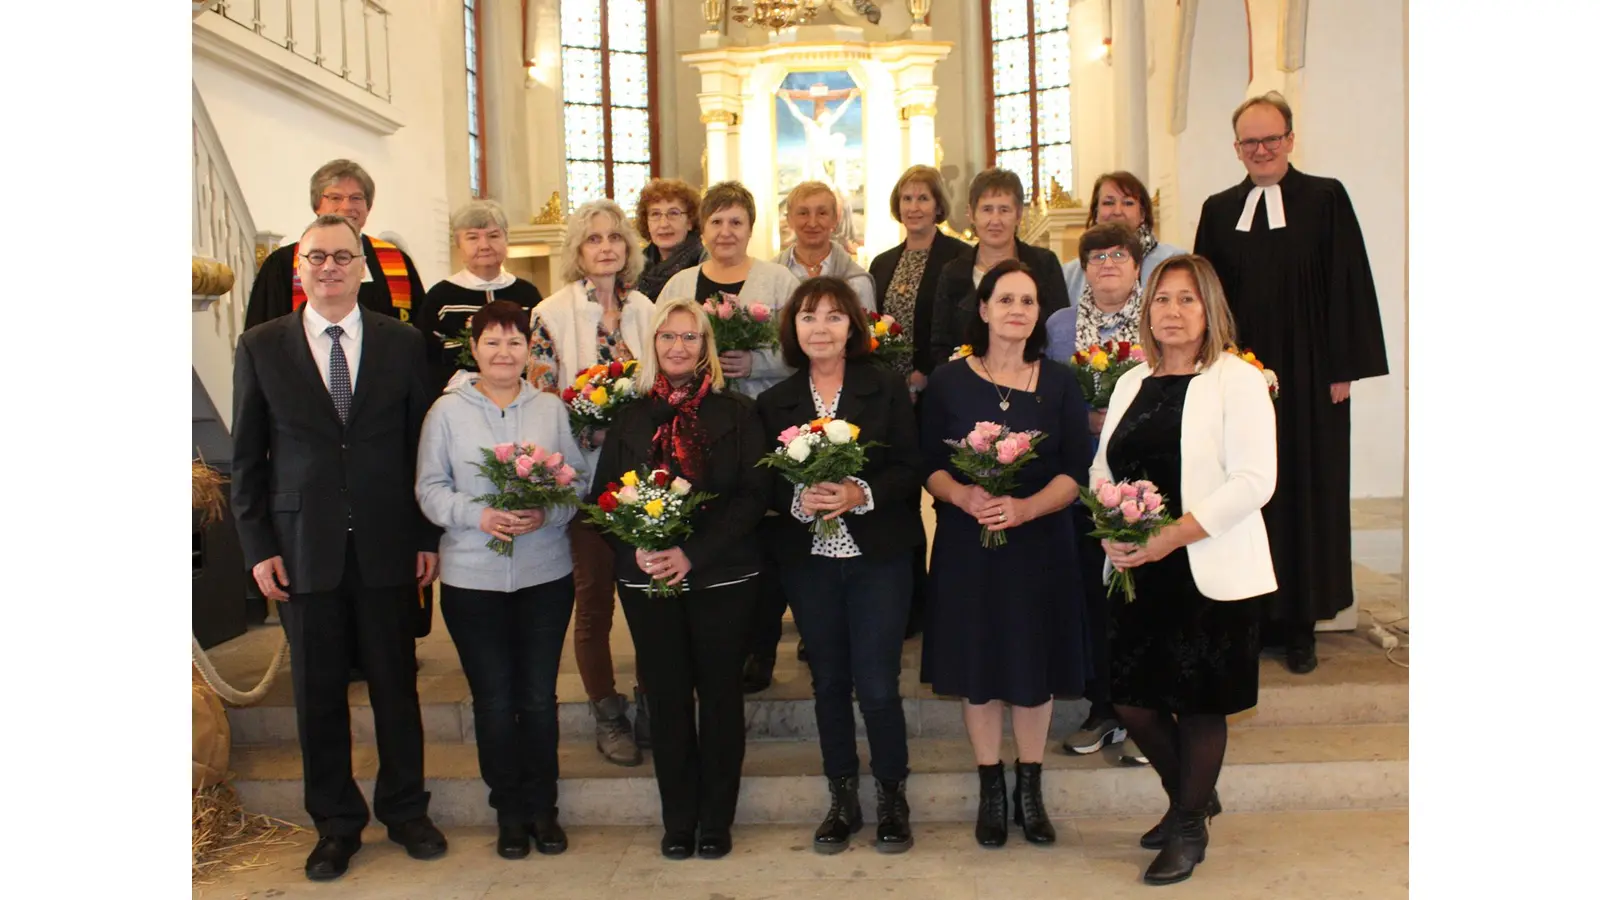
pixel 944 249
pixel 301 479
pixel 875 400
pixel 724 545
pixel 955 303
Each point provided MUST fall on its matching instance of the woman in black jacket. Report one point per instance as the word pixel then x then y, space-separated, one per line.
pixel 692 645
pixel 994 203
pixel 850 592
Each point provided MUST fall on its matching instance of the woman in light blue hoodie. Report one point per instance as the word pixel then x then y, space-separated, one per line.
pixel 508 615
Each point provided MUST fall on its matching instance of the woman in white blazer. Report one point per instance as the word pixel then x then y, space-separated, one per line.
pixel 596 318
pixel 1198 422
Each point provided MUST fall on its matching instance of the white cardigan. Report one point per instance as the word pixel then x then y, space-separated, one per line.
pixel 574 322
pixel 1230 468
pixel 767 283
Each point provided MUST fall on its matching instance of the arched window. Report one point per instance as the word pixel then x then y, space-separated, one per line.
pixel 474 29
pixel 607 51
pixel 1030 94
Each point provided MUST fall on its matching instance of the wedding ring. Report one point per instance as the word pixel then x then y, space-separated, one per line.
pixel 1002 517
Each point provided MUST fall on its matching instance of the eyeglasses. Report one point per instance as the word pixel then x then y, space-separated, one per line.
pixel 339 257
pixel 1099 259
pixel 668 338
pixel 1271 143
pixel 671 215
pixel 336 199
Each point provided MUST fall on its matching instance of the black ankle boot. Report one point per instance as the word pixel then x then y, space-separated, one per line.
pixel 1029 801
pixel 1156 838
pixel 894 817
pixel 991 828
pixel 844 816
pixel 1185 848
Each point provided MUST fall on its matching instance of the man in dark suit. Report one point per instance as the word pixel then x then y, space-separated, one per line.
pixel 328 405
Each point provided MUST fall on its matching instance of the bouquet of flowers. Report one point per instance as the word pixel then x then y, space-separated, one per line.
pixel 992 455
pixel 1127 512
pixel 961 352
pixel 821 451
pixel 525 476
pixel 650 510
pixel 891 346
pixel 598 392
pixel 1268 374
pixel 464 357
pixel 1098 369
pixel 740 327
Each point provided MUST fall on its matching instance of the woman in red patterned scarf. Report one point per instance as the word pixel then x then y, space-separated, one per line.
pixel 692 644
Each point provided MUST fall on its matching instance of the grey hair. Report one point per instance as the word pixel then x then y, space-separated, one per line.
pixel 329 220
pixel 478 214
pixel 578 225
pixel 1272 99
pixel 339 170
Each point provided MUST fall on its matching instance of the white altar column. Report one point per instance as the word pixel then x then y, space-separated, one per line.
pixel 721 135
pixel 1129 76
pixel 917 110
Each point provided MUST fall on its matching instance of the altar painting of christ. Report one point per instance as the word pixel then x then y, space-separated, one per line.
pixel 819 138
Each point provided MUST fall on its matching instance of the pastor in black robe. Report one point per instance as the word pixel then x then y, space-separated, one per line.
pixel 273 293
pixel 447 310
pixel 1304 301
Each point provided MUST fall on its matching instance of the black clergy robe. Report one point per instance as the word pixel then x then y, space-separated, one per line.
pixel 1304 301
pixel 393 292
pixel 447 310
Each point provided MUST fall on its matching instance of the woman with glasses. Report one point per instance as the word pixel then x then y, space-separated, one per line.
pixel 1107 309
pixel 690 646
pixel 669 215
pixel 1121 198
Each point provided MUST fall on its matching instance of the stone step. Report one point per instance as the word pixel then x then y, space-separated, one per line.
pixel 1268 768
pixel 1350 686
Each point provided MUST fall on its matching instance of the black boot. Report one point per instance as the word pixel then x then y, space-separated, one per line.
pixel 1185 848
pixel 844 816
pixel 1156 838
pixel 894 817
pixel 991 828
pixel 1029 800
pixel 757 675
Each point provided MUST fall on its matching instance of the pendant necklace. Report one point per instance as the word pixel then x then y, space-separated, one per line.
pixel 1005 399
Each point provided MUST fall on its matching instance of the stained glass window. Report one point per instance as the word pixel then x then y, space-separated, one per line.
pixel 606 48
pixel 475 130
pixel 1030 80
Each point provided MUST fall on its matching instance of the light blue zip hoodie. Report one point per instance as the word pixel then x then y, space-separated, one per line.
pixel 459 425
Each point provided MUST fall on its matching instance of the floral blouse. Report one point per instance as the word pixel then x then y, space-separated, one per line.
pixel 841 545
pixel 544 363
pixel 900 301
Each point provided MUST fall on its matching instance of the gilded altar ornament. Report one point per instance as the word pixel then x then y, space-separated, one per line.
pixel 1060 199
pixel 913 110
pixel 712 10
pixel 776 15
pixel 552 213
pixel 720 116
pixel 919 11
pixel 210 277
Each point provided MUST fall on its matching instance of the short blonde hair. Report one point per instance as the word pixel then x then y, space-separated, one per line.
pixel 1220 331
pixel 648 365
pixel 924 175
pixel 578 226
pixel 806 189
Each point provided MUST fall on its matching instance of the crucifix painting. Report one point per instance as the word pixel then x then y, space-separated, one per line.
pixel 819 138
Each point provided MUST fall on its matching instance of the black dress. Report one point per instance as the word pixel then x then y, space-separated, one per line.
pixel 1006 623
pixel 1172 648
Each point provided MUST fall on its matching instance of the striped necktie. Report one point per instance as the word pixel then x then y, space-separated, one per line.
pixel 339 374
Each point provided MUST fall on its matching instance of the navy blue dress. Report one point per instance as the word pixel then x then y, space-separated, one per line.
pixel 1173 648
pixel 1006 623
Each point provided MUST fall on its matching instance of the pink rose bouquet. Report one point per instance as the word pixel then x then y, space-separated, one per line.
pixel 737 326
pixel 822 451
pixel 525 476
pixel 1127 512
pixel 992 455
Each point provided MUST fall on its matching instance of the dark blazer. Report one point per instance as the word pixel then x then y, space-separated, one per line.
pixel 944 249
pixel 875 400
pixel 301 479
pixel 724 545
pixel 955 302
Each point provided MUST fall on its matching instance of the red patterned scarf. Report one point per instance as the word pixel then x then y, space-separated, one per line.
pixel 680 438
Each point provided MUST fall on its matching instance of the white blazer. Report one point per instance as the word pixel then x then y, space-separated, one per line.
pixel 1230 467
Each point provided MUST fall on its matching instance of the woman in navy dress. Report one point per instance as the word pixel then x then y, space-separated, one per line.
pixel 1006 624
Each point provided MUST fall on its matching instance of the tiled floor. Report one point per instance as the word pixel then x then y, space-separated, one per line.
pixel 1252 855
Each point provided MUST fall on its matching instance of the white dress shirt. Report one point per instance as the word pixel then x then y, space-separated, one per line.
pixel 322 344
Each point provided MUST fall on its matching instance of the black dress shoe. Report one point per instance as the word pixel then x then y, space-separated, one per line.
pixel 757 675
pixel 548 834
pixel 331 857
pixel 715 845
pixel 513 842
pixel 677 846
pixel 420 838
pixel 1156 838
pixel 1301 659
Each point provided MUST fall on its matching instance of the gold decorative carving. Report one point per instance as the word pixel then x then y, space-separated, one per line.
pixel 1060 199
pixel 552 214
pixel 919 11
pixel 261 254
pixel 210 277
pixel 913 110
pixel 712 10
pixel 722 116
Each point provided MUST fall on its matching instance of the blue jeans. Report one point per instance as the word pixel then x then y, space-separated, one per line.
pixel 510 648
pixel 852 615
